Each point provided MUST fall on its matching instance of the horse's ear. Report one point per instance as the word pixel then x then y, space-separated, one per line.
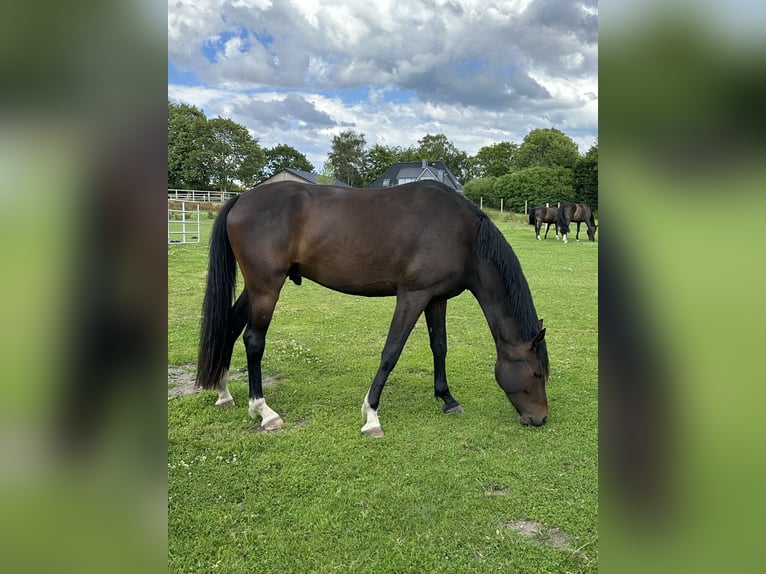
pixel 537 340
pixel 541 323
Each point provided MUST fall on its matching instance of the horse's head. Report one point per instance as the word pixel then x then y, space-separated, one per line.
pixel 592 233
pixel 522 371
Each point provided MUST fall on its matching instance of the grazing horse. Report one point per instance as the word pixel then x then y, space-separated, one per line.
pixel 542 214
pixel 578 213
pixel 420 242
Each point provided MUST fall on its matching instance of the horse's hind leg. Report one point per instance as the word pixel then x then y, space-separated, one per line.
pixel 538 226
pixel 261 310
pixel 577 236
pixel 237 321
pixel 547 227
pixel 436 312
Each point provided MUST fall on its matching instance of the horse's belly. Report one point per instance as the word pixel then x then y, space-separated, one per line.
pixel 361 282
pixel 371 281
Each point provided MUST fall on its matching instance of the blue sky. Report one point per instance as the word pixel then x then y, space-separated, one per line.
pixel 298 73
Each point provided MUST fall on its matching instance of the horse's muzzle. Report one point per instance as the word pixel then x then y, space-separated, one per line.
pixel 533 421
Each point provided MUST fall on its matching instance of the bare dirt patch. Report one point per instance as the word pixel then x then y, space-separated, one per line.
pixel 495 490
pixel 548 536
pixel 181 380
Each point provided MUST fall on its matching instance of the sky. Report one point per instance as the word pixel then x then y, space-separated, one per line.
pixel 299 72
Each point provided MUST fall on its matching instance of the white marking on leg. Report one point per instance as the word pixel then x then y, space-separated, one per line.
pixel 224 396
pixel 270 419
pixel 372 426
pixel 564 236
pixel 538 238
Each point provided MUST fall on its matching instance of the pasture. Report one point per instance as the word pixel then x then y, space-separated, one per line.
pixel 475 492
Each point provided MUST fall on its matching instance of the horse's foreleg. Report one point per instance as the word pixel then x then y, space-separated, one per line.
pixel 577 235
pixel 261 311
pixel 556 227
pixel 436 314
pixel 547 227
pixel 538 226
pixel 409 306
pixel 237 321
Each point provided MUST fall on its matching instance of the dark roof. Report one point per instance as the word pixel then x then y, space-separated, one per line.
pixel 306 176
pixel 312 177
pixel 417 170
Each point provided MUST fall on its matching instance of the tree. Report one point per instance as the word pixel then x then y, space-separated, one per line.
pixel 536 186
pixel 379 159
pixel 586 178
pixel 283 156
pixel 348 157
pixel 494 160
pixel 547 148
pixel 438 147
pixel 481 190
pixel 234 154
pixel 189 137
pixel 327 175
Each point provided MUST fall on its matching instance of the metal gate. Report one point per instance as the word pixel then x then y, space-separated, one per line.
pixel 183 223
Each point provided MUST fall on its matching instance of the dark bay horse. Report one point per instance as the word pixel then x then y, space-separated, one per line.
pixel 542 214
pixel 420 242
pixel 578 213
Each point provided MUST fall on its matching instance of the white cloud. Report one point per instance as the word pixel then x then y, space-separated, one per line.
pixel 480 71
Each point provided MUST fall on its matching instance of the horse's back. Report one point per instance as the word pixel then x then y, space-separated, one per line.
pixel 369 242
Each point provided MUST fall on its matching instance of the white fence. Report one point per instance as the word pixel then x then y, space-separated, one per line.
pixel 183 223
pixel 195 195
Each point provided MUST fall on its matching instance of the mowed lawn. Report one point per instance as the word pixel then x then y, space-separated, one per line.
pixel 474 492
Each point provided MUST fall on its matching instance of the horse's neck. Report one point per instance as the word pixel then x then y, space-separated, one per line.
pixel 489 289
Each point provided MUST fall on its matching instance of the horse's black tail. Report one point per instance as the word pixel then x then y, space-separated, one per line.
pixel 562 217
pixel 212 359
pixel 532 217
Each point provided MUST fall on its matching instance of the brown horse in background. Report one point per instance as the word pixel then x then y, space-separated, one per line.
pixel 543 214
pixel 578 213
pixel 420 242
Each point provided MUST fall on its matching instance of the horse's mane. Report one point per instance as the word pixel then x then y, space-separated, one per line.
pixel 491 245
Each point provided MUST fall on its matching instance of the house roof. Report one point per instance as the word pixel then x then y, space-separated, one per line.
pixel 415 171
pixel 307 176
pixel 313 177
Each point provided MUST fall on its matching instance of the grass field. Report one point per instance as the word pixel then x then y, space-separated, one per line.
pixel 475 492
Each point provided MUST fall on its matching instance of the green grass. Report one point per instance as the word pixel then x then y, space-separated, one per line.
pixel 438 493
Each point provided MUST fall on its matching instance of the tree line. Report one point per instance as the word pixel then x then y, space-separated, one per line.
pixel 218 153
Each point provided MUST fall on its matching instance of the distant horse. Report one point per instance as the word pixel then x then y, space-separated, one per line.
pixel 578 213
pixel 420 242
pixel 542 214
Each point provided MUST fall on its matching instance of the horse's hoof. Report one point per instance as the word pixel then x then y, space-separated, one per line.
pixel 375 432
pixel 226 404
pixel 456 410
pixel 272 425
